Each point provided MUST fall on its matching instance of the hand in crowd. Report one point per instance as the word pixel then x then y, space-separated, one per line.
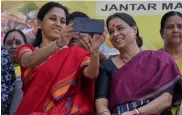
pixel 84 41
pixel 98 40
pixel 66 34
pixel 129 113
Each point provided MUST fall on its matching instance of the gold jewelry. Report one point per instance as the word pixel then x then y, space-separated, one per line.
pixel 95 53
pixel 137 111
pixel 103 112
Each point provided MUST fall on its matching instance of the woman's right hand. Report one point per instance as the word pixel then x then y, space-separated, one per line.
pixel 66 34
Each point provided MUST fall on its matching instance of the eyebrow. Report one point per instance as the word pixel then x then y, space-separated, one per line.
pixel 58 16
pixel 117 26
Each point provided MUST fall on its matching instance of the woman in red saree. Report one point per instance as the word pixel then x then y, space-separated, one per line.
pixel 57 79
pixel 136 81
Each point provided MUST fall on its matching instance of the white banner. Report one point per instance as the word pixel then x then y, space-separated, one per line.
pixel 105 8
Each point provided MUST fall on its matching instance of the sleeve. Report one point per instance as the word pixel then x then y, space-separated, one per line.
pixel 23 49
pixel 176 88
pixel 102 83
pixel 7 81
pixel 85 62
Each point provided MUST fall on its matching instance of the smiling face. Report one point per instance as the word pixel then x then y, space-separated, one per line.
pixel 121 34
pixel 172 33
pixel 13 41
pixel 53 23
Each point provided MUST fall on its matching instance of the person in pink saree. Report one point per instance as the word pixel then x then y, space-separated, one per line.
pixel 135 81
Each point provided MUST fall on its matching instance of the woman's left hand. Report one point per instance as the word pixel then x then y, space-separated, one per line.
pixel 98 40
pixel 128 113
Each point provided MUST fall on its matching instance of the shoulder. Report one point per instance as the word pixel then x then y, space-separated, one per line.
pixel 27 46
pixel 107 65
pixel 107 62
pixel 4 51
pixel 158 55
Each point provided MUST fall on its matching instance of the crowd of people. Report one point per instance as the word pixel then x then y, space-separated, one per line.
pixel 64 73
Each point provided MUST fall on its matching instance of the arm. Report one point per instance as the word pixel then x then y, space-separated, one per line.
pixel 92 70
pixel 101 105
pixel 31 59
pixel 102 91
pixel 157 105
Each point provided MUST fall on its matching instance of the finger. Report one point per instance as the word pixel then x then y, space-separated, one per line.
pixel 70 25
pixel 72 34
pixel 105 30
pixel 89 42
pixel 68 29
pixel 84 45
pixel 86 41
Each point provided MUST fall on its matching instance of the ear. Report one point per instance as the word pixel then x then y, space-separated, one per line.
pixel 161 33
pixel 39 24
pixel 135 29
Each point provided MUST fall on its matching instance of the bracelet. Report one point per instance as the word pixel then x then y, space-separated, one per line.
pixel 95 53
pixel 137 111
pixel 103 112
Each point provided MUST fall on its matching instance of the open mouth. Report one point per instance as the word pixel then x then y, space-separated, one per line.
pixel 118 40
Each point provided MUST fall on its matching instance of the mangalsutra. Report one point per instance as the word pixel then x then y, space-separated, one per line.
pixel 131 58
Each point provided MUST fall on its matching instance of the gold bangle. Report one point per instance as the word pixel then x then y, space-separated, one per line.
pixel 95 53
pixel 103 112
pixel 137 111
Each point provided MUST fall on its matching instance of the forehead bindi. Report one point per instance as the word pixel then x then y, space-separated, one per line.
pixel 14 36
pixel 115 23
pixel 57 12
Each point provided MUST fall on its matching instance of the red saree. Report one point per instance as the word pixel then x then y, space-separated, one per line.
pixel 56 87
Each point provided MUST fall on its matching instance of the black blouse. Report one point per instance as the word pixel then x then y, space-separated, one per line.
pixel 102 88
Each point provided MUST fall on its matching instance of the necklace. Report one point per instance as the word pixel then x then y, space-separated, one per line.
pixel 131 57
pixel 173 57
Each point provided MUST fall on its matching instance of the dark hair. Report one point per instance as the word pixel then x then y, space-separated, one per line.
pixel 76 14
pixel 41 14
pixel 15 30
pixel 166 16
pixel 130 21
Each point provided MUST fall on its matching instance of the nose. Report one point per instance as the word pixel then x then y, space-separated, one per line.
pixel 57 23
pixel 115 33
pixel 14 45
pixel 176 29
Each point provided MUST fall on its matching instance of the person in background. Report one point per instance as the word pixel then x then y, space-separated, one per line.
pixel 31 20
pixel 171 33
pixel 12 40
pixel 57 79
pixel 135 81
pixel 82 40
pixel 7 81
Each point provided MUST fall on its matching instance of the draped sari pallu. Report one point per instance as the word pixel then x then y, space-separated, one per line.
pixel 56 87
pixel 143 79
